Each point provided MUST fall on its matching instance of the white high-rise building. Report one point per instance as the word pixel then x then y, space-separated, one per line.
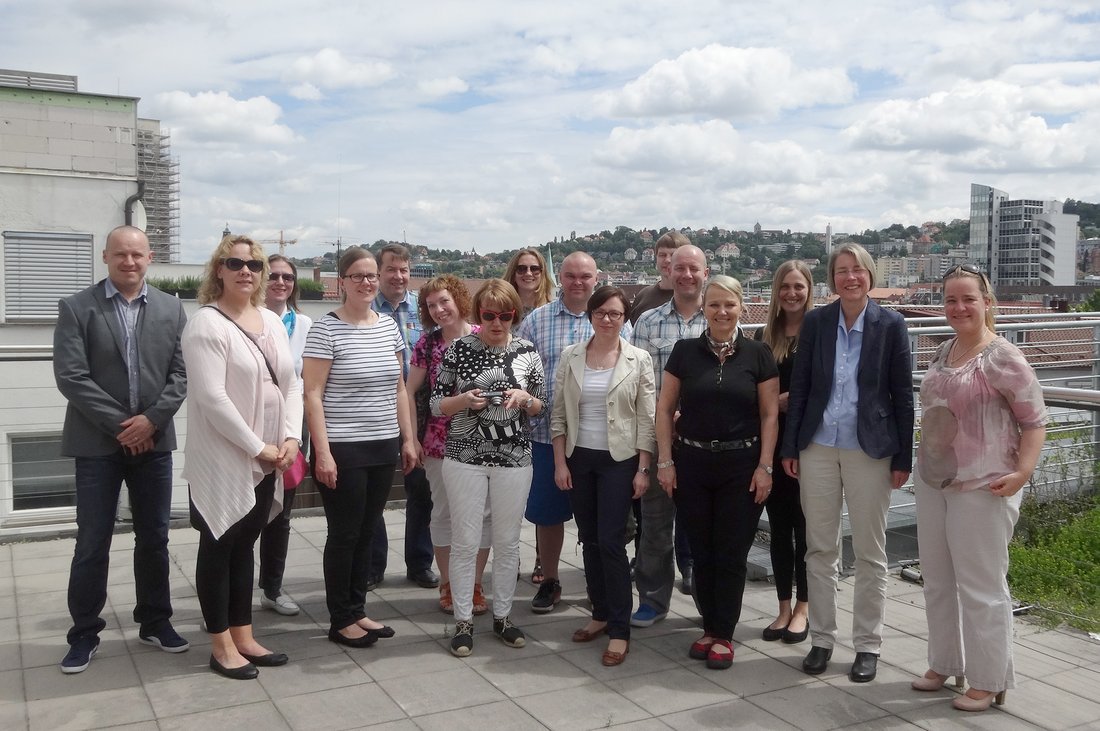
pixel 1025 242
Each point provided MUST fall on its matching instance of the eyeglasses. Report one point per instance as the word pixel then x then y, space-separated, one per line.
pixel 234 264
pixel 489 315
pixel 612 315
pixel 276 276
pixel 525 268
pixel 968 268
pixel 360 278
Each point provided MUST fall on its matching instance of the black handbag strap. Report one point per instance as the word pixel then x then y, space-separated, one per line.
pixel 248 337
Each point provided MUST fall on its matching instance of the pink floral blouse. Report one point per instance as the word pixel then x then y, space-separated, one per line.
pixel 973 416
pixel 435 431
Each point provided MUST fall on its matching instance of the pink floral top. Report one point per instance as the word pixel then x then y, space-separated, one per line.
pixel 973 416
pixel 435 432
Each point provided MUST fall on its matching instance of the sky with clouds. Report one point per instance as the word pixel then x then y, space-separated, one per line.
pixel 497 124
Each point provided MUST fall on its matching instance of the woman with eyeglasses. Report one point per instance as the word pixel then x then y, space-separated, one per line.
pixel 849 440
pixel 982 429
pixel 601 424
pixel 490 384
pixel 715 460
pixel 360 426
pixel 244 416
pixel 528 273
pixel 282 299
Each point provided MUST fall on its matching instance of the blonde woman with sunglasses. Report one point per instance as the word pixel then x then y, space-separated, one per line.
pixel 491 384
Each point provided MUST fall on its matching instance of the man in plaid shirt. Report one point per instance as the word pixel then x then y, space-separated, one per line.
pixel 657 331
pixel 552 328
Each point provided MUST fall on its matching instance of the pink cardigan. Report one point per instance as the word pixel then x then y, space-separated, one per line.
pixel 225 413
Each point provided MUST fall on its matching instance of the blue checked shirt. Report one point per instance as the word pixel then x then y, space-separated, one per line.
pixel 407 317
pixel 553 328
pixel 128 313
pixel 659 329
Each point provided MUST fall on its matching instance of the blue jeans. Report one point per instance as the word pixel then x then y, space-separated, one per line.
pixel 418 537
pixel 99 480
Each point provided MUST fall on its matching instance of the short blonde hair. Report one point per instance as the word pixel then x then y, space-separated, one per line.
pixel 861 256
pixel 498 293
pixel 727 283
pixel 211 289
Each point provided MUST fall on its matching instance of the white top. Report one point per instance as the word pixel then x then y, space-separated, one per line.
pixel 592 428
pixel 302 324
pixel 360 399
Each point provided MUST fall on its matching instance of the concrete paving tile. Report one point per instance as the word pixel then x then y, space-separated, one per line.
pixel 1067 644
pixel 8 607
pixel 107 673
pixel 35 625
pixel 11 686
pixel 1050 706
pixel 11 655
pixel 41 549
pixel 44 565
pixel 253 715
pixel 461 687
pixel 307 676
pixel 817 706
pixel 181 695
pixel 502 715
pixel 888 723
pixel 731 714
pixel 646 724
pixel 752 673
pixel 640 661
pixel 589 706
pixel 157 666
pixel 942 716
pixel 1034 661
pixel 1079 681
pixel 403 725
pixel 13 716
pixel 520 678
pixel 90 710
pixel 39 583
pixel 401 661
pixel 339 708
pixel 890 690
pixel 669 691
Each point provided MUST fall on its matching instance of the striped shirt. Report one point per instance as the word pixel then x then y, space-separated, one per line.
pixel 659 329
pixel 128 313
pixel 360 399
pixel 553 328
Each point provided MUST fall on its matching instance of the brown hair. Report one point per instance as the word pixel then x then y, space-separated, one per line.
pixel 292 300
pixel 349 257
pixel 545 291
pixel 775 335
pixel 444 282
pixel 672 240
pixel 499 293
pixel 602 295
pixel 211 288
pixel 401 253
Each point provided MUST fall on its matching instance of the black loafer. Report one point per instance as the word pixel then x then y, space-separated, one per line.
pixel 374 581
pixel 793 638
pixel 817 661
pixel 244 672
pixel 365 641
pixel 864 668
pixel 270 660
pixel 425 578
pixel 771 635
pixel 383 633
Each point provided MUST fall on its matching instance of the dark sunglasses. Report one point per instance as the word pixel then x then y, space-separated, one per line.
pixel 276 276
pixel 234 264
pixel 525 268
pixel 968 268
pixel 489 315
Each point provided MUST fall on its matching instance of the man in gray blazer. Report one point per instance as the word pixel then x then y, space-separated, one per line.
pixel 117 361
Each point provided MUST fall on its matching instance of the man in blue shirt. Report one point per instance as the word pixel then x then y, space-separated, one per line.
pixel 395 299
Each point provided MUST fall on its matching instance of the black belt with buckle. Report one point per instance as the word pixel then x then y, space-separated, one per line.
pixel 717 446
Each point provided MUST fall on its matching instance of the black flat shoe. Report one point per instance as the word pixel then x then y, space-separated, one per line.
pixel 244 672
pixel 270 660
pixel 864 668
pixel 771 635
pixel 817 661
pixel 365 641
pixel 425 578
pixel 383 633
pixel 793 638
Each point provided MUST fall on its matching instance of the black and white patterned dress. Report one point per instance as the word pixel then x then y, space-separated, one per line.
pixel 493 436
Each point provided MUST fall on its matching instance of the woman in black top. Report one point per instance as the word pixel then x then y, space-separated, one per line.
pixel 726 389
pixel 791 288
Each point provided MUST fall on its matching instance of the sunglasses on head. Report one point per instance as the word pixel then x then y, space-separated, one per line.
pixel 489 315
pixel 234 264
pixel 525 268
pixel 968 268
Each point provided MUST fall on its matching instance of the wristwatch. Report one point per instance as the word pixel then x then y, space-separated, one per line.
pixel 644 470
pixel 530 400
pixel 766 468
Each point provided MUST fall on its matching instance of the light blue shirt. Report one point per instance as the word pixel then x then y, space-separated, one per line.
pixel 128 313
pixel 838 425
pixel 407 317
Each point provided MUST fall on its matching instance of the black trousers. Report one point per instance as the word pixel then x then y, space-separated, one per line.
pixel 225 567
pixel 600 499
pixel 352 511
pixel 788 539
pixel 712 496
pixel 274 540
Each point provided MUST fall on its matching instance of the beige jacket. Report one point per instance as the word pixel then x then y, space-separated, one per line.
pixel 631 401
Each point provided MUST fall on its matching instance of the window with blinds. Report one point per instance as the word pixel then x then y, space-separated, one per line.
pixel 41 268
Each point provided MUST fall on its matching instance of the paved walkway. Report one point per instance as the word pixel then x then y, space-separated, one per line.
pixel 412 682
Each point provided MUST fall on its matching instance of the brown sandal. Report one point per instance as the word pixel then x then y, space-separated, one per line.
pixel 480 605
pixel 446 604
pixel 537 576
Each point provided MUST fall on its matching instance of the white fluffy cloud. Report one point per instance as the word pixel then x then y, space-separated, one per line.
pixel 216 117
pixel 728 82
pixel 331 69
pixel 443 86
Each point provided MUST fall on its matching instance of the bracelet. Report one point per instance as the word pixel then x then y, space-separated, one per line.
pixel 766 468
pixel 662 465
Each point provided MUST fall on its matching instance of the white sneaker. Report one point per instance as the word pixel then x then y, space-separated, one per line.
pixel 282 604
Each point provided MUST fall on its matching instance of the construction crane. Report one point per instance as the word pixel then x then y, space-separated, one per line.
pixel 283 243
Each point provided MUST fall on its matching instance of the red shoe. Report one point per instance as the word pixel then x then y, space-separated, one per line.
pixel 446 604
pixel 701 648
pixel 480 605
pixel 720 660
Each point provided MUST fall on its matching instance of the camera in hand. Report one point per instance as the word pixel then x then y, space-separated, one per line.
pixel 496 398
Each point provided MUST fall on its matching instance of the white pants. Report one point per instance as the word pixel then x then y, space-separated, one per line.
pixel 830 477
pixel 963 538
pixel 471 491
pixel 440 526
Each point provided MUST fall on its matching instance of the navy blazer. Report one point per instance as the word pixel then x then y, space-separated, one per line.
pixel 884 413
pixel 89 365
